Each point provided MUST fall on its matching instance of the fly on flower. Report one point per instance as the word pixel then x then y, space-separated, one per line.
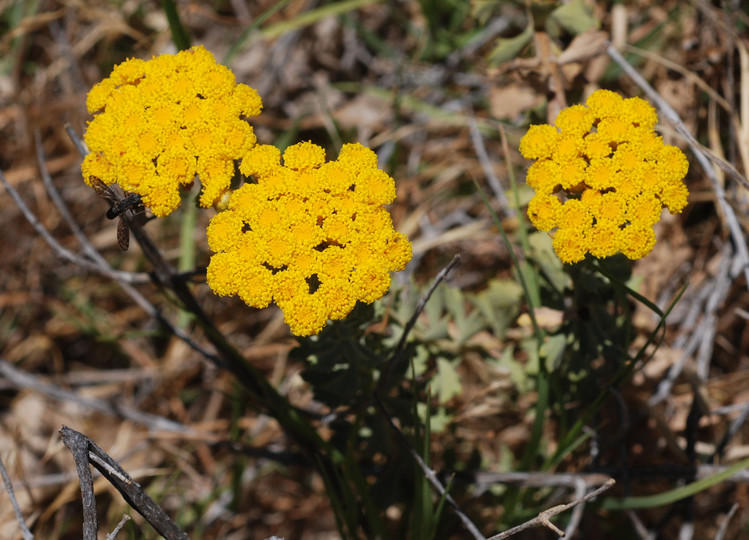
pixel 123 205
pixel 158 123
pixel 118 207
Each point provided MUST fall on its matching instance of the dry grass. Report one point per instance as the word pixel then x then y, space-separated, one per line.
pixel 372 77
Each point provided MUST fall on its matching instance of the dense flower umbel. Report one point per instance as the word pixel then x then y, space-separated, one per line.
pixel 309 235
pixel 159 122
pixel 601 177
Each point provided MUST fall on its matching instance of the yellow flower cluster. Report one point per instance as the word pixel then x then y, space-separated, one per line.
pixel 602 176
pixel 160 122
pixel 311 236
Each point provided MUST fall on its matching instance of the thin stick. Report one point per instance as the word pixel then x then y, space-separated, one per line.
pixel 78 446
pixel 724 522
pixel 577 512
pixel 429 473
pixel 21 379
pixel 533 479
pixel 118 528
pixel 395 356
pixel 702 337
pixel 123 278
pixel 12 496
pixel 486 165
pixel 544 517
pixel 85 452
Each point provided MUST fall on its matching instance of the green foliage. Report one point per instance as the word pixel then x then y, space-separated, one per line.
pixel 345 364
pixel 426 515
pixel 508 48
pixel 446 30
pixel 576 17
pixel 555 18
pixel 499 304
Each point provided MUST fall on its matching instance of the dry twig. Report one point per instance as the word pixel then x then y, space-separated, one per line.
pixel 395 357
pixel 544 517
pixel 21 379
pixel 12 496
pixel 86 452
pixel 122 278
pixel 118 528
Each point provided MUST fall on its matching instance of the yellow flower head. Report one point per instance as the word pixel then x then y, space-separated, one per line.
pixel 311 236
pixel 158 123
pixel 602 177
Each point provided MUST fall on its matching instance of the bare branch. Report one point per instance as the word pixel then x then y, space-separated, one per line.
pixel 88 248
pixel 12 496
pixel 85 452
pixel 118 528
pixel 398 351
pixel 78 446
pixel 724 522
pixel 544 517
pixel 486 165
pixel 123 277
pixel 21 379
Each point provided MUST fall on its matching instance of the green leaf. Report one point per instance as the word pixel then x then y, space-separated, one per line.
pixel 552 350
pixel 575 17
pixel 509 48
pixel 467 325
pixel 507 362
pixel 420 360
pixel 446 382
pixel 438 419
pixel 677 494
pixel 543 253
pixel 499 304
pixel 483 10
pixel 435 326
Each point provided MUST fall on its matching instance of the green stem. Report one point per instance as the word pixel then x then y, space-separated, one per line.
pixel 187 250
pixel 521 277
pixel 514 494
pixel 534 292
pixel 180 35
pixel 624 371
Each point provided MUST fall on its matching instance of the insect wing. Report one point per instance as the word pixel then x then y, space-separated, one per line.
pixel 123 234
pixel 102 190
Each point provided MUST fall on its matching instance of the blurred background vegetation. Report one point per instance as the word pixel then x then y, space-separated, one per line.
pixel 591 383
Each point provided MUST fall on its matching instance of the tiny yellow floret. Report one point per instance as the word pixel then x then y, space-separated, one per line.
pixel 602 175
pixel 539 142
pixel 311 236
pixel 158 123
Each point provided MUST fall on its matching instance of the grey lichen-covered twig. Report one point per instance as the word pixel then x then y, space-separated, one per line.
pixel 86 452
pixel 544 517
pixel 27 535
pixel 119 527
